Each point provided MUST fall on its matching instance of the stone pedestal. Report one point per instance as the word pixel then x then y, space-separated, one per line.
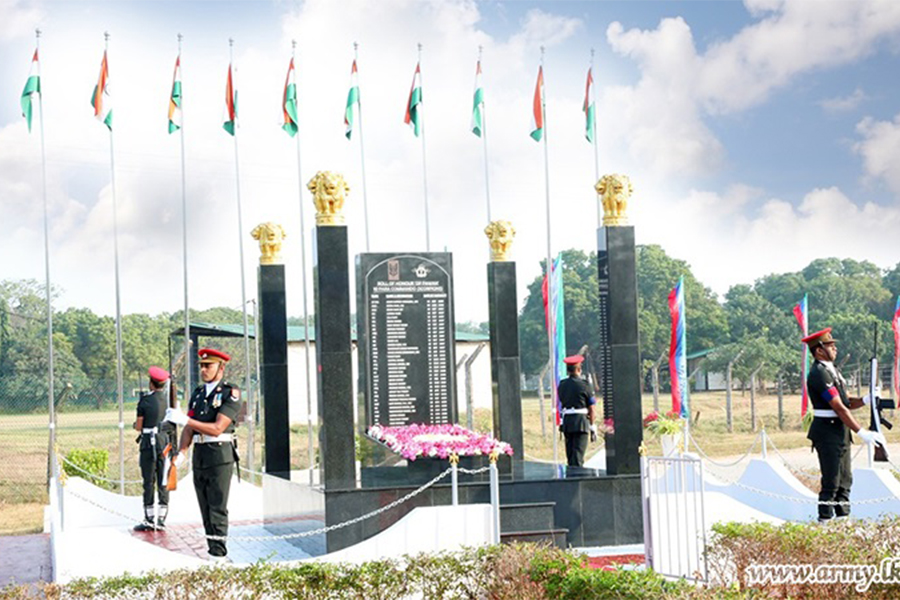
pixel 619 349
pixel 274 370
pixel 505 367
pixel 335 399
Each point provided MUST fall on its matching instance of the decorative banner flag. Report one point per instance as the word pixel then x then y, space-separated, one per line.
pixel 678 353
pixel 289 102
pixel 413 116
pixel 895 325
pixel 588 108
pixel 32 88
pixel 537 131
pixel 231 105
pixel 175 99
pixel 802 315
pixel 557 328
pixel 352 100
pixel 101 100
pixel 478 104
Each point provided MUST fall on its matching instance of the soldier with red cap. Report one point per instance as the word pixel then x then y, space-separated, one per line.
pixel 832 424
pixel 209 424
pixel 152 440
pixel 577 402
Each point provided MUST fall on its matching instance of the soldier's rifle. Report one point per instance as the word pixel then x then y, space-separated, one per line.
pixel 876 404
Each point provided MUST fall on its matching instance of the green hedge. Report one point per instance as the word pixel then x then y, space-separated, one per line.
pixel 89 463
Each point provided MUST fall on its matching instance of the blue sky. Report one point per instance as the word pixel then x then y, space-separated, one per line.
pixel 758 135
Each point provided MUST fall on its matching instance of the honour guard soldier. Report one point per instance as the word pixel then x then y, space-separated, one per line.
pixel 577 402
pixel 209 424
pixel 832 424
pixel 152 441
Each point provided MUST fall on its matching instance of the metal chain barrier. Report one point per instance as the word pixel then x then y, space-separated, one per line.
pixel 473 471
pixel 718 464
pixel 262 538
pixel 94 476
pixel 813 500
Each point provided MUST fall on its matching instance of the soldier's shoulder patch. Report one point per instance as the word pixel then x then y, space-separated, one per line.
pixel 235 395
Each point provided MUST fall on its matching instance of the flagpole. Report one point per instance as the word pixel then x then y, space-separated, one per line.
pixel 309 421
pixel 237 178
pixel 362 153
pixel 50 392
pixel 487 187
pixel 119 377
pixel 551 310
pixel 424 168
pixel 188 359
pixel 594 135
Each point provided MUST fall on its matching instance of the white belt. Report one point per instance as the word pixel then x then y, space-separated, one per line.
pixel 202 438
pixel 150 430
pixel 574 411
pixel 825 413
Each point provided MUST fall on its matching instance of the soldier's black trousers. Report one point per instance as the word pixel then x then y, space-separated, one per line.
pixel 151 461
pixel 576 446
pixel 212 486
pixel 837 477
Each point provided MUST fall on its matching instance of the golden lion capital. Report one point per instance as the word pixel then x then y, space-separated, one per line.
pixel 615 190
pixel 329 190
pixel 269 235
pixel 500 234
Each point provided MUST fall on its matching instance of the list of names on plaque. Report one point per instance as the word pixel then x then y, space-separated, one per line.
pixel 407 339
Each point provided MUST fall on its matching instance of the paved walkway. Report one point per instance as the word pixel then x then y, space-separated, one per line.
pixel 25 559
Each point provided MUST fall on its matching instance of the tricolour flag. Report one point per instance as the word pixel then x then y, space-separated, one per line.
pixel 289 102
pixel 32 88
pixel 895 325
pixel 537 120
pixel 588 108
pixel 557 328
pixel 175 99
pixel 352 100
pixel 801 312
pixel 101 100
pixel 678 353
pixel 478 104
pixel 231 105
pixel 413 116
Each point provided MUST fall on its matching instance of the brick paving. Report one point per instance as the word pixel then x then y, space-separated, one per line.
pixel 25 559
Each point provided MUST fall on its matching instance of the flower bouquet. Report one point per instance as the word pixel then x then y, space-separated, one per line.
pixel 668 424
pixel 437 441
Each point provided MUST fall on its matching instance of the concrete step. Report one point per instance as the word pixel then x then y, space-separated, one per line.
pixel 533 516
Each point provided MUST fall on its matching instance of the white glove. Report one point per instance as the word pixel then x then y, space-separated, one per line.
pixel 174 415
pixel 867 400
pixel 180 458
pixel 871 437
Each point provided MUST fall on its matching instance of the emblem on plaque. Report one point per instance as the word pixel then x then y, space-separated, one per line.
pixel 393 270
pixel 615 190
pixel 421 271
pixel 328 190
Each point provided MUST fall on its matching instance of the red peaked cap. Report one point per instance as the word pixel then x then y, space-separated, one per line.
pixel 158 374
pixel 819 337
pixel 574 360
pixel 208 355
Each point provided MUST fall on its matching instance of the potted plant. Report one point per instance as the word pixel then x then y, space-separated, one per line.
pixel 667 427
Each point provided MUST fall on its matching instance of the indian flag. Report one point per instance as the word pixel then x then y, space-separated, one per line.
pixel 289 102
pixel 413 116
pixel 588 108
pixel 101 100
pixel 175 99
pixel 537 131
pixel 32 88
pixel 478 104
pixel 352 100
pixel 231 105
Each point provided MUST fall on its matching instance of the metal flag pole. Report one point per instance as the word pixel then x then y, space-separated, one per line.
pixel 309 421
pixel 551 330
pixel 237 178
pixel 424 168
pixel 487 186
pixel 594 136
pixel 50 392
pixel 362 152
pixel 188 359
pixel 120 394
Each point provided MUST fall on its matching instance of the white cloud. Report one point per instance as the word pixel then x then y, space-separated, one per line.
pixel 844 103
pixel 880 150
pixel 18 18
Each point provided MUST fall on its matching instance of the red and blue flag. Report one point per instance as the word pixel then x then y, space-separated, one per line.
pixel 895 325
pixel 678 353
pixel 556 327
pixel 801 312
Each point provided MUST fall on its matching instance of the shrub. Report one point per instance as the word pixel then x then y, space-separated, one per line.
pixel 89 463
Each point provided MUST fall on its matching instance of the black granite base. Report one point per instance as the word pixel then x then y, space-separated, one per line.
pixel 505 365
pixel 273 368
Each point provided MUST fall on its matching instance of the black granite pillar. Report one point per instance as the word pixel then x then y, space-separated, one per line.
pixel 505 368
pixel 274 370
pixel 336 432
pixel 618 290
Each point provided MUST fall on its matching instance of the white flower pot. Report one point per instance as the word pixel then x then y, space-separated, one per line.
pixel 669 444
